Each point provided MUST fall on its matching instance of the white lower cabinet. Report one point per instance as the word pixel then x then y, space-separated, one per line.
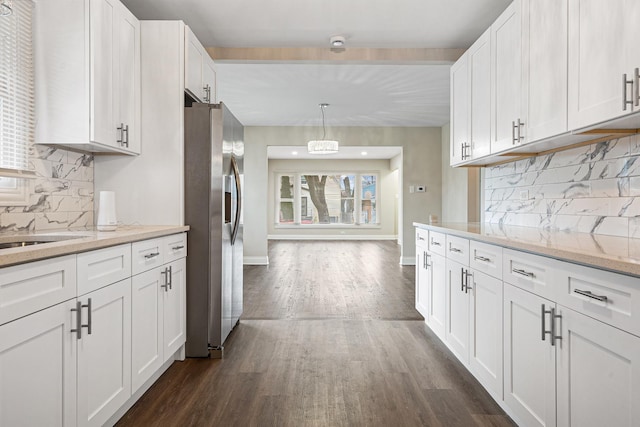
pixel 38 369
pixel 555 343
pixel 422 281
pixel 457 310
pixel 598 368
pixel 437 293
pixel 104 353
pixel 485 331
pixel 159 318
pixel 78 362
pixel 529 362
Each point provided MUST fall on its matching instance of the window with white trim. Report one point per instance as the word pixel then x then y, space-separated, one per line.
pixel 334 198
pixel 17 114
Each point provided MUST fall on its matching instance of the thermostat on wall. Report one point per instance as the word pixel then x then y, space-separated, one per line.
pixel 420 188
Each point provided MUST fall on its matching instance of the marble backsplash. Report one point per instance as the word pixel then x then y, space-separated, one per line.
pixel 592 189
pixel 60 197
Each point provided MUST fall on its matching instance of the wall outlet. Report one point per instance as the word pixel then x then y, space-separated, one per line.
pixel 421 188
pixel 524 195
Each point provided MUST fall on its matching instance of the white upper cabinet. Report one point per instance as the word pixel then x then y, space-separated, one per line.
pixel 470 102
pixel 480 83
pixel 603 55
pixel 200 76
pixel 507 123
pixel 544 68
pixel 459 110
pixel 87 75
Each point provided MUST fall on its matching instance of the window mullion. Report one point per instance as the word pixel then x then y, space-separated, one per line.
pixel 297 210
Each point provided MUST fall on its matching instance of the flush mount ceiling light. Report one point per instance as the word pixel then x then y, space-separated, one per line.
pixel 6 7
pixel 337 41
pixel 323 146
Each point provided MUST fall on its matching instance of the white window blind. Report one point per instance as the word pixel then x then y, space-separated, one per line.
pixel 17 116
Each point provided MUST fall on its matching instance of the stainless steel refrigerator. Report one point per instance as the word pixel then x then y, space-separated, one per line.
pixel 214 151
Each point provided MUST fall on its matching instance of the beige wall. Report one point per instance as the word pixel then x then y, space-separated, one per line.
pixel 388 190
pixel 421 165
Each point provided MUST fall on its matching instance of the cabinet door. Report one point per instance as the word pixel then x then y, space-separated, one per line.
pixel 459 110
pixel 485 345
pixel 104 355
pixel 38 369
pixel 544 82
pixel 480 115
pixel 598 374
pixel 457 315
pixel 506 78
pixel 423 280
pixel 103 15
pixel 529 362
pixel 194 54
pixel 437 292
pixel 208 79
pixel 598 58
pixel 128 80
pixel 146 326
pixel 174 307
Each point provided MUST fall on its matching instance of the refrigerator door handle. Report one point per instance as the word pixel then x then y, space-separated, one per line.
pixel 236 222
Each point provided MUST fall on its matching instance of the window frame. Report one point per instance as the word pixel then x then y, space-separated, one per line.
pixel 297 199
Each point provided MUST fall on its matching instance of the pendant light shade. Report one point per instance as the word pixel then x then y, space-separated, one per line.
pixel 323 146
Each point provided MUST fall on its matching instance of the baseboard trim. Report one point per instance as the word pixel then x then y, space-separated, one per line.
pixel 330 237
pixel 408 260
pixel 256 260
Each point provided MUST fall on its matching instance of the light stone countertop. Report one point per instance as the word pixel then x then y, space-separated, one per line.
pixel 618 254
pixel 87 239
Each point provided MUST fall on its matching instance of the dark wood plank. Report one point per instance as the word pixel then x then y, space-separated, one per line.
pixel 329 337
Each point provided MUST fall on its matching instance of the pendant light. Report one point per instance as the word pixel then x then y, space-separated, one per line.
pixel 323 146
pixel 6 7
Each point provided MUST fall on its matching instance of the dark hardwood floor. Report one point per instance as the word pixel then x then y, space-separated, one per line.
pixel 329 337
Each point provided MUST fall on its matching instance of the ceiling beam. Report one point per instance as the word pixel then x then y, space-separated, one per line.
pixel 335 55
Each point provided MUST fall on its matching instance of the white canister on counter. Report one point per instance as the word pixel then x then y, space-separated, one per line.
pixel 107 220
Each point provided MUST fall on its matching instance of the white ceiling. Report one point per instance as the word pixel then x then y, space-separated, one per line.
pixel 345 152
pixel 288 94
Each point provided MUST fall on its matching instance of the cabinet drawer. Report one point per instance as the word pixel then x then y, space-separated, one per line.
pixel 175 247
pixel 422 237
pixel 437 243
pixel 609 297
pixel 458 249
pixel 486 258
pixel 103 267
pixel 530 272
pixel 147 254
pixel 27 288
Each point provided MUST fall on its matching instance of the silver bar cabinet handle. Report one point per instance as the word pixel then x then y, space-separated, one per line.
pixel 554 337
pixel 434 243
pixel 78 328
pixel 467 273
pixel 165 273
pixel 523 273
pixel 177 248
pixel 481 258
pixel 452 249
pixel 125 131
pixel 170 276
pixel 89 323
pixel 152 255
pixel 121 130
pixel 520 125
pixel 626 82
pixel 591 295
pixel 462 276
pixel 428 258
pixel 543 313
